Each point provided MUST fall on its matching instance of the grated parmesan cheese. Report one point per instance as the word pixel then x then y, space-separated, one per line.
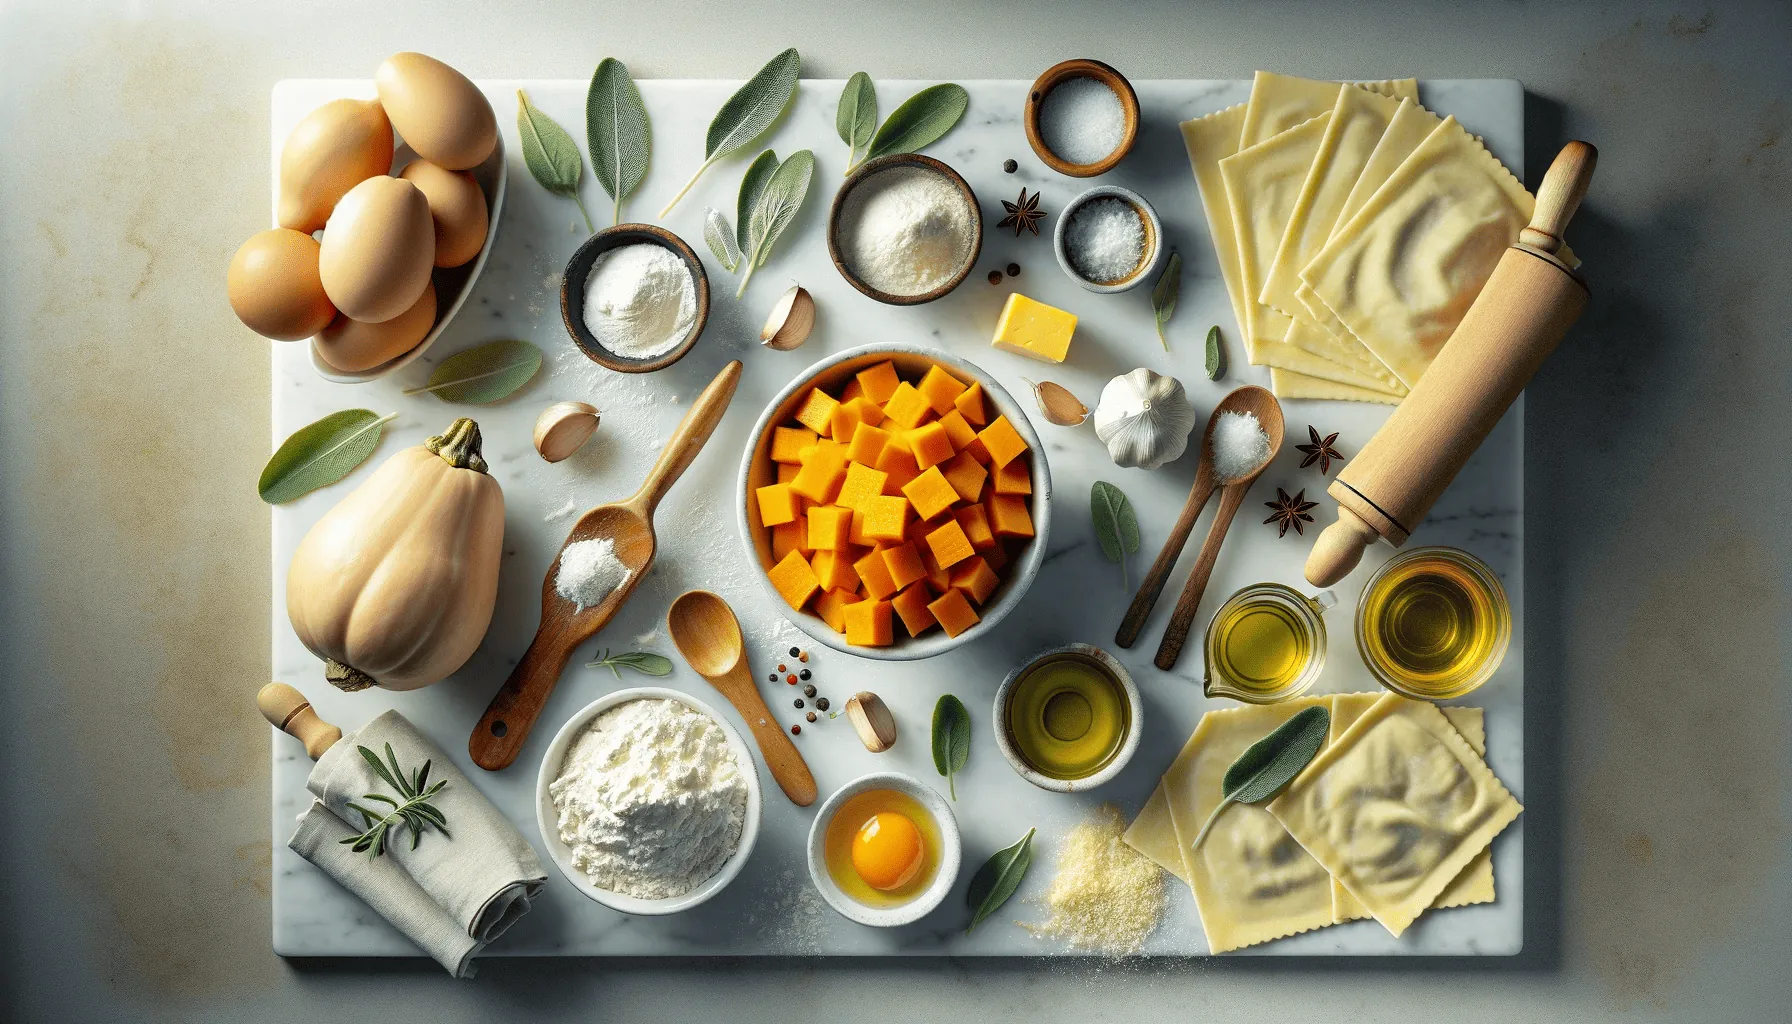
pixel 1105 897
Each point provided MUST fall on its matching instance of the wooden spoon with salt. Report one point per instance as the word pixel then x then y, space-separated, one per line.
pixel 501 732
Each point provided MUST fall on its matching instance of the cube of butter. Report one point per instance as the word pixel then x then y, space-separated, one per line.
pixel 1035 329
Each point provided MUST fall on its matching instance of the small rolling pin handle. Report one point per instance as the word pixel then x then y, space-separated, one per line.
pixel 287 709
pixel 1339 548
pixel 1564 186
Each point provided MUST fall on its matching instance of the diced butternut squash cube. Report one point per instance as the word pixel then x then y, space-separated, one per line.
pixel 794 579
pixel 843 421
pixel 817 411
pixel 777 504
pixel 834 571
pixel 878 382
pixel 1032 328
pixel 949 545
pixel 831 606
pixel 830 527
pixel 931 444
pixel 787 471
pixel 953 612
pixel 867 444
pixel 1002 441
pixel 874 576
pixel 975 578
pixel 940 389
pixel 976 451
pixel 788 537
pixel 960 432
pixel 852 390
pixel 788 443
pixel 861 482
pixel 824 470
pixel 1008 516
pixel 868 624
pixel 996 556
pixel 865 409
pixel 969 404
pixel 974 521
pixel 907 408
pixel 1014 478
pixel 911 606
pixel 904 563
pixel 885 517
pixel 898 464
pixel 930 493
pixel 966 475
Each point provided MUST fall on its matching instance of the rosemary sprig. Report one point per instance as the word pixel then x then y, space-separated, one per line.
pixel 415 811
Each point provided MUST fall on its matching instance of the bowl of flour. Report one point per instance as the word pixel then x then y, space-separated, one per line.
pixel 648 801
pixel 634 298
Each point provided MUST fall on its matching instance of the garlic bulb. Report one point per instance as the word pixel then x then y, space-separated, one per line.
pixel 1144 418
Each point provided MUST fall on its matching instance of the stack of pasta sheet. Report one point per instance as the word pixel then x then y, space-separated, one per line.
pixel 1393 817
pixel 1353 227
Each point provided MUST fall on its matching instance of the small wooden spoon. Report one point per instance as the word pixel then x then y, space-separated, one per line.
pixel 1263 405
pixel 501 732
pixel 706 632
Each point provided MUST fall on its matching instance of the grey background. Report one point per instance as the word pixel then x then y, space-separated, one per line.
pixel 133 412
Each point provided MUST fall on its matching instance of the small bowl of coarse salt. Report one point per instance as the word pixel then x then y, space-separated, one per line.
pixel 634 298
pixel 1081 117
pixel 648 801
pixel 1108 239
pixel 905 229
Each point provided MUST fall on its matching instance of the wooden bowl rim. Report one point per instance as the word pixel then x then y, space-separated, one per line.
pixel 884 163
pixel 579 268
pixel 1082 67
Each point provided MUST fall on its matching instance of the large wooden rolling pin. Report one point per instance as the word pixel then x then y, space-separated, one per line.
pixel 1517 320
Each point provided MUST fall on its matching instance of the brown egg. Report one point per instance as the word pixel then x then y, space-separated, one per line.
pixel 336 147
pixel 275 288
pixel 441 113
pixel 457 205
pixel 352 346
pixel 378 249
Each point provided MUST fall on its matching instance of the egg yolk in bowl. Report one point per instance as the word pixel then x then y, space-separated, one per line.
pixel 882 848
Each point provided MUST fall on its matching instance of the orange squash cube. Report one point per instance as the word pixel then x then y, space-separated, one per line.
pixel 996 556
pixel 831 606
pixel 969 404
pixel 1002 441
pixel 976 451
pixel 949 545
pixel 940 388
pixel 788 443
pixel 886 516
pixel 868 624
pixel 953 612
pixel 851 391
pixel 1014 478
pixel 794 579
pixel 898 464
pixel 930 493
pixel 874 576
pixel 788 537
pixel 861 482
pixel 824 469
pixel 867 444
pixel 787 471
pixel 931 444
pixel 974 521
pixel 904 563
pixel 907 408
pixel 830 527
pixel 777 504
pixel 817 411
pixel 975 578
pixel 911 606
pixel 966 475
pixel 834 571
pixel 878 382
pixel 1008 516
pixel 865 409
pixel 957 430
pixel 842 422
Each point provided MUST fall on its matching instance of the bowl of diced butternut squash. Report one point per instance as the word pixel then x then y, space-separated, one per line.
pixel 897 500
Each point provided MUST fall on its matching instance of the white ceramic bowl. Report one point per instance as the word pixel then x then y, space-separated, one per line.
pixel 546 818
pixel 1129 744
pixel 951 852
pixel 453 284
pixel 832 373
pixel 1154 239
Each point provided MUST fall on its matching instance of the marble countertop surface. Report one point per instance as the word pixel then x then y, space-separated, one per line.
pixel 135 560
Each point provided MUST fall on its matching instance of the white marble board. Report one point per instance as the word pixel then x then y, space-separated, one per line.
pixel 772 909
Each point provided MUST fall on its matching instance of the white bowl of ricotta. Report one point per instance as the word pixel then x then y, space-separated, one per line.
pixel 648 801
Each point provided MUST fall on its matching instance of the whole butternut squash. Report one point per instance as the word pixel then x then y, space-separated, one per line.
pixel 394 587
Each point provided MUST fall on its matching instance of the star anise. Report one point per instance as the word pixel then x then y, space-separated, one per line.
pixel 1320 451
pixel 1023 215
pixel 1290 511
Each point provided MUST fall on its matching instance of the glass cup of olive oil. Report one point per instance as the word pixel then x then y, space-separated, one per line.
pixel 1433 623
pixel 1266 644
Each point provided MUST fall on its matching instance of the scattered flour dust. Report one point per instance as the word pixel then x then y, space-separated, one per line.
pixel 1106 897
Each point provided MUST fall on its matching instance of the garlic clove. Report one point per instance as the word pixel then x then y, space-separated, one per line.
pixel 1057 404
pixel 790 321
pixel 563 428
pixel 872 721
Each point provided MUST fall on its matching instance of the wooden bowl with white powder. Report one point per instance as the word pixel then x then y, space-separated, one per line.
pixel 635 298
pixel 662 842
pixel 905 229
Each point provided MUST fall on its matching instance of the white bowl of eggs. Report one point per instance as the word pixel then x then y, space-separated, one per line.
pixel 884 850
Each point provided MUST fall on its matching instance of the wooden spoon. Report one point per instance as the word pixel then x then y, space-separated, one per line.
pixel 1263 405
pixel 500 734
pixel 706 632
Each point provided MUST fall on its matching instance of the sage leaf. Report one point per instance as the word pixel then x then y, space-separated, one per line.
pixel 550 153
pixel 747 114
pixel 1270 763
pixel 752 186
pixel 319 454
pixel 951 739
pixel 1116 526
pixel 645 662
pixel 1216 354
pixel 920 120
pixel 483 374
pixel 1164 294
pixel 617 130
pixel 719 235
pixel 997 879
pixel 1057 404
pixel 856 118
pixel 777 206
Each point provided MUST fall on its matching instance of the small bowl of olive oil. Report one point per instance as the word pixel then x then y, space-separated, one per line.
pixel 1266 644
pixel 1433 623
pixel 1068 719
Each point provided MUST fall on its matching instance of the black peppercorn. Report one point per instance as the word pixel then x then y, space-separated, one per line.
pixel 809 691
pixel 995 277
pixel 794 651
pixel 821 703
pixel 773 677
pixel 1010 166
pixel 1013 270
pixel 799 702
pixel 804 674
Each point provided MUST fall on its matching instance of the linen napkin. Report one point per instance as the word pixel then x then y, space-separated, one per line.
pixel 451 895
